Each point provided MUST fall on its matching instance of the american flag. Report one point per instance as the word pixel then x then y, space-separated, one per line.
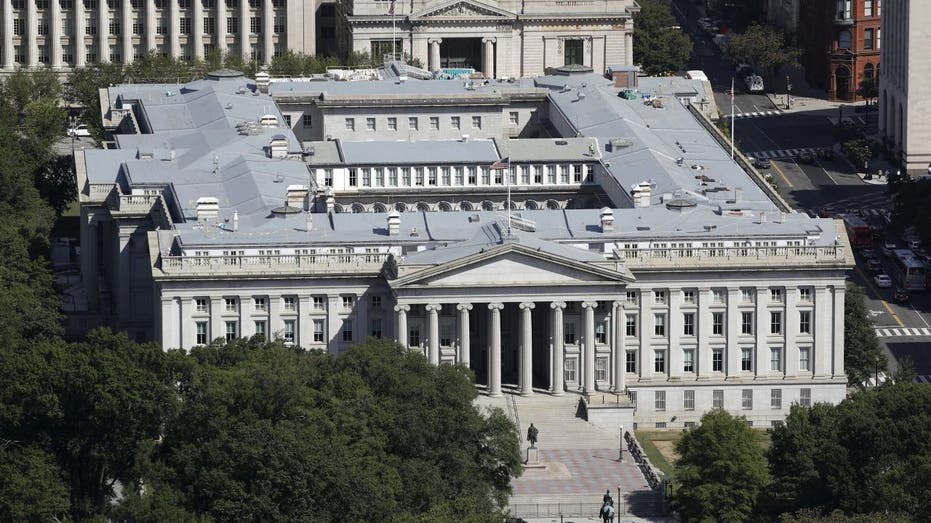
pixel 391 8
pixel 501 164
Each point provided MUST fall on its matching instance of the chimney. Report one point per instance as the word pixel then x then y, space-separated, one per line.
pixel 297 196
pixel 330 202
pixel 207 208
pixel 278 147
pixel 607 220
pixel 310 222
pixel 394 223
pixel 235 221
pixel 261 81
pixel 642 193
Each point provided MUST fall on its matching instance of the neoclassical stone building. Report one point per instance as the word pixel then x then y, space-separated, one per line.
pixel 502 39
pixel 621 253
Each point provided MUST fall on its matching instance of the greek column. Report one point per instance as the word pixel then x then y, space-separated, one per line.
pixel 150 25
pixel 126 36
pixel 196 40
pixel 8 58
pixel 80 30
pixel 220 32
pixel 433 321
pixel 629 47
pixel 494 350
pixel 434 63
pixel 174 28
pixel 268 31
pixel 488 57
pixel 401 334
pixel 32 31
pixel 837 351
pixel 103 31
pixel 557 383
pixel 617 346
pixel 464 341
pixel 589 349
pixel 53 41
pixel 245 47
pixel 526 348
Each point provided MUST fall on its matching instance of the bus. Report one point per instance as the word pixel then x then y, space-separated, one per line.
pixel 859 232
pixel 909 271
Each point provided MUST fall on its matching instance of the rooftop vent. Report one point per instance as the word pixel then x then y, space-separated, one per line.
pixel 681 205
pixel 297 196
pixel 474 218
pixel 561 142
pixel 207 208
pixel 394 223
pixel 414 232
pixel 262 80
pixel 641 194
pixel 285 211
pixel 616 144
pixel 268 120
pixel 278 147
pixel 607 220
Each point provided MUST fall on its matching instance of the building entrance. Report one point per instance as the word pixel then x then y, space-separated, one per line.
pixel 461 53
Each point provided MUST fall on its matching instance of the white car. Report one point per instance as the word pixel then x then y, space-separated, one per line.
pixel 81 131
pixel 883 281
pixel 754 83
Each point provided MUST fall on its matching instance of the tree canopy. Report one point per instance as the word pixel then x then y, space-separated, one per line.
pixel 863 357
pixel 660 45
pixel 762 46
pixel 721 470
pixel 911 208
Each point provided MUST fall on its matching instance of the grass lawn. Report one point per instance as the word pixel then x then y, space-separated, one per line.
pixel 665 463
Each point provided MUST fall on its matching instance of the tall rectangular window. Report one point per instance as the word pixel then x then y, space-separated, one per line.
pixel 746 359
pixel 601 369
pixel 804 358
pixel 746 323
pixel 369 124
pixel 601 333
pixel 260 329
pixel 775 359
pixel 200 304
pixel 434 123
pixel 290 303
pixel 375 327
pixel 868 38
pixel 413 337
pixel 570 369
pixel 631 361
pixel 867 7
pixel 804 322
pixel 688 324
pixel 476 122
pixel 804 397
pixel 412 123
pixel 446 338
pixel 201 330
pixel 569 333
pixel 347 330
pixel 717 399
pixel 804 294
pixel 688 360
pixel 630 324
pixel 717 359
pixel 659 400
pixel 350 124
pixel 688 399
pixel 775 322
pixel 659 297
pixel 455 122
pixel 255 25
pixel 775 398
pixel 232 330
pixel 659 360
pixel 289 331
pixel 717 323
pixel 746 397
pixel 659 324
pixel 260 303
pixel 231 304
pixel 717 296
pixel 318 331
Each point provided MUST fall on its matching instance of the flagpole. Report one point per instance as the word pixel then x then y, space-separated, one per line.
pixel 732 118
pixel 508 202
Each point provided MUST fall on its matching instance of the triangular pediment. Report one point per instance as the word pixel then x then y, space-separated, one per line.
pixel 514 265
pixel 461 9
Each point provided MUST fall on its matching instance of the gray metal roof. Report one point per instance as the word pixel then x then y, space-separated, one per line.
pixel 550 149
pixel 419 152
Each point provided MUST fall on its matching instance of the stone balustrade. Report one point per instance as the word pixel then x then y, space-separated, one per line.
pixel 794 256
pixel 366 264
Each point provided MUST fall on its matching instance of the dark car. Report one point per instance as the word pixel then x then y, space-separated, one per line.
pixel 762 163
pixel 900 295
pixel 806 157
pixel 875 266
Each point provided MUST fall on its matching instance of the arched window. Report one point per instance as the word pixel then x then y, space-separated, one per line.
pixel 379 207
pixel 530 205
pixel 400 207
pixel 423 207
pixel 465 205
pixel 358 208
pixel 445 206
pixel 868 71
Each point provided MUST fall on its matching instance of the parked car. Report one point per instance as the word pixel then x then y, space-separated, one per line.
pixel 762 163
pixel 80 131
pixel 806 157
pixel 883 281
pixel 868 253
pixel 874 266
pixel 888 247
pixel 900 295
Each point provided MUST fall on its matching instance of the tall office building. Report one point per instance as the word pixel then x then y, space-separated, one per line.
pixel 904 89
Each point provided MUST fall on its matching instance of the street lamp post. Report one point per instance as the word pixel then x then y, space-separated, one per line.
pixel 788 92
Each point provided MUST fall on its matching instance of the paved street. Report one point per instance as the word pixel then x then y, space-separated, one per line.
pixel 764 129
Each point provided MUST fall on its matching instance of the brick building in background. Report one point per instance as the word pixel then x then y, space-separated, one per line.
pixel 840 41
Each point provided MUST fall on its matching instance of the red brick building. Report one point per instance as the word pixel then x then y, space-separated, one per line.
pixel 840 42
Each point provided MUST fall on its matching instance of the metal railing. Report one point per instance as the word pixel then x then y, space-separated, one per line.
pixel 730 256
pixel 555 510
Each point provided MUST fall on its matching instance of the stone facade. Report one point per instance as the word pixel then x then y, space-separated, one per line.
pixel 501 39
pixel 905 92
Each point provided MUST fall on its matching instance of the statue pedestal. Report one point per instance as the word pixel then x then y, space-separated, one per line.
pixel 533 459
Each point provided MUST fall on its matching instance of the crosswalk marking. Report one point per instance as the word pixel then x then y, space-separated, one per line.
pixel 924 378
pixel 754 114
pixel 863 212
pixel 902 332
pixel 780 153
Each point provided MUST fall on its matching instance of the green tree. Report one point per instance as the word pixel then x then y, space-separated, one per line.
pixel 911 209
pixel 863 357
pixel 763 47
pixel 273 433
pixel 84 84
pixel 721 471
pixel 660 45
pixel 868 89
pixel 31 486
pixel 815 516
